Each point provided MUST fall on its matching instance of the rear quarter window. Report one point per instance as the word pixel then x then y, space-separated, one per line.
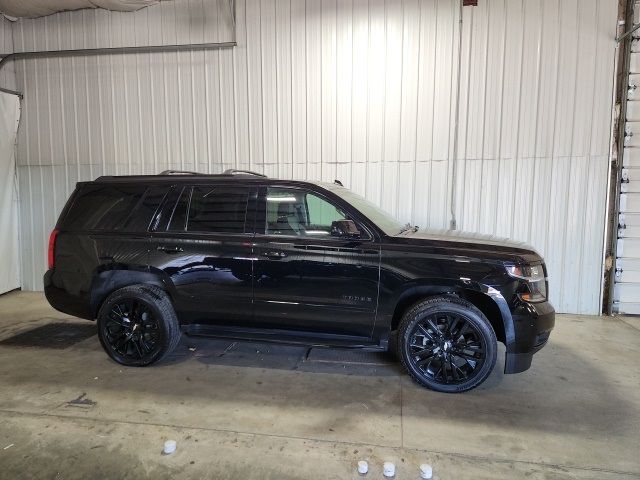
pixel 114 207
pixel 142 215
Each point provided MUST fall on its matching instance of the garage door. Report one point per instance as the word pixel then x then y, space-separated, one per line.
pixel 9 116
pixel 627 276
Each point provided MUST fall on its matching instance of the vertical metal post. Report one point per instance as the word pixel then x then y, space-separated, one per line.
pixel 454 160
pixel 232 15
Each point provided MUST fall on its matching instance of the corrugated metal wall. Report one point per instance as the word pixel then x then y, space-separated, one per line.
pixel 7 74
pixel 535 133
pixel 360 90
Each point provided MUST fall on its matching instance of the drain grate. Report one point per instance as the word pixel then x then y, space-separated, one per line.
pixel 53 335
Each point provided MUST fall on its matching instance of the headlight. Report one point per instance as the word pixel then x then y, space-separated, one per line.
pixel 534 288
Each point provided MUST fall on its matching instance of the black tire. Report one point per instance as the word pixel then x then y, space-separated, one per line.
pixel 447 344
pixel 137 325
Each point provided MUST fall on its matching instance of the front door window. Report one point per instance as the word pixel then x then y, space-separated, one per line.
pixel 294 212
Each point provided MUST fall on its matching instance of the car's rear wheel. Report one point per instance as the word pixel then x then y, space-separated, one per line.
pixel 447 344
pixel 137 325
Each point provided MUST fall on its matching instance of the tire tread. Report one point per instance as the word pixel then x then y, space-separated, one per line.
pixel 407 318
pixel 168 316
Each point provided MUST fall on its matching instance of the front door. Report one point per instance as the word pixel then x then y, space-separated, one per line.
pixel 306 280
pixel 203 248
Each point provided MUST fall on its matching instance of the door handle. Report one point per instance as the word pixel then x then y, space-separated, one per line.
pixel 275 255
pixel 170 249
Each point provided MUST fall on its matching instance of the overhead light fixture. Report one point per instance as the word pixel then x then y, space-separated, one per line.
pixel 281 199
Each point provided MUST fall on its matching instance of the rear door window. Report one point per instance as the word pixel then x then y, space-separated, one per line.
pixel 104 207
pixel 218 209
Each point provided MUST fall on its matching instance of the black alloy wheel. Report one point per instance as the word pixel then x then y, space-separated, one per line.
pixel 131 329
pixel 447 348
pixel 137 325
pixel 447 344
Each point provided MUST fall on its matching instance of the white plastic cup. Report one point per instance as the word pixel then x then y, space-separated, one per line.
pixel 363 467
pixel 389 469
pixel 169 447
pixel 426 471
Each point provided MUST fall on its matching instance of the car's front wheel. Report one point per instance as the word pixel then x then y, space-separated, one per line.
pixel 137 325
pixel 447 344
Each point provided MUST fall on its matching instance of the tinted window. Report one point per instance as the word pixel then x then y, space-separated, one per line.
pixel 218 209
pixel 141 218
pixel 296 212
pixel 103 207
pixel 179 217
pixel 384 220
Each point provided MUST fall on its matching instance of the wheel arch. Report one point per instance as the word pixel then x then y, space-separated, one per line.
pixel 108 280
pixel 482 300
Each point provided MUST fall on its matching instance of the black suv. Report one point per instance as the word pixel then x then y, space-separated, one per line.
pixel 242 256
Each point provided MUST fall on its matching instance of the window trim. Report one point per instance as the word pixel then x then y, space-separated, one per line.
pixel 188 211
pixel 156 222
pixel 154 217
pixel 175 207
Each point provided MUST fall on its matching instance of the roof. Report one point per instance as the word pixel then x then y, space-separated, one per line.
pixel 173 175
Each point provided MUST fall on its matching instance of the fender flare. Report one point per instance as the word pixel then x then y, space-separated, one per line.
pixel 431 287
pixel 112 277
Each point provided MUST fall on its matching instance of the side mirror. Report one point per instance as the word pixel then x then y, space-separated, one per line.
pixel 344 229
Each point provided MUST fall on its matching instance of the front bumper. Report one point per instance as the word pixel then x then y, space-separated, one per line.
pixel 532 323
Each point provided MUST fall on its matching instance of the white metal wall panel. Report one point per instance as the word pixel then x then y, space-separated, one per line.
pixel 360 90
pixel 534 136
pixel 7 75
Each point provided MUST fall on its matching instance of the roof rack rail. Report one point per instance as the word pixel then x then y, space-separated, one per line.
pixel 179 172
pixel 233 171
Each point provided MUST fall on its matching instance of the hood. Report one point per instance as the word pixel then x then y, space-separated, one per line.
pixel 472 244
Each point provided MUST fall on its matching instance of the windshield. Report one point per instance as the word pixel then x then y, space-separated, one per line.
pixel 387 223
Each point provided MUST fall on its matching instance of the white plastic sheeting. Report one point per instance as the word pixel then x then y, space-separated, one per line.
pixel 40 8
pixel 357 90
pixel 9 247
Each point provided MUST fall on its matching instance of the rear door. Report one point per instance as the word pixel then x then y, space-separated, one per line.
pixel 305 279
pixel 202 244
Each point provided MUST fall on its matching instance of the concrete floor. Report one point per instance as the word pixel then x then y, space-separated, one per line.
pixel 245 411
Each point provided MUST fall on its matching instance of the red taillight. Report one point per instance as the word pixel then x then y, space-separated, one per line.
pixel 52 249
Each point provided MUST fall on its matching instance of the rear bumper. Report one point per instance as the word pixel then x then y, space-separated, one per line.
pixel 62 300
pixel 532 323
